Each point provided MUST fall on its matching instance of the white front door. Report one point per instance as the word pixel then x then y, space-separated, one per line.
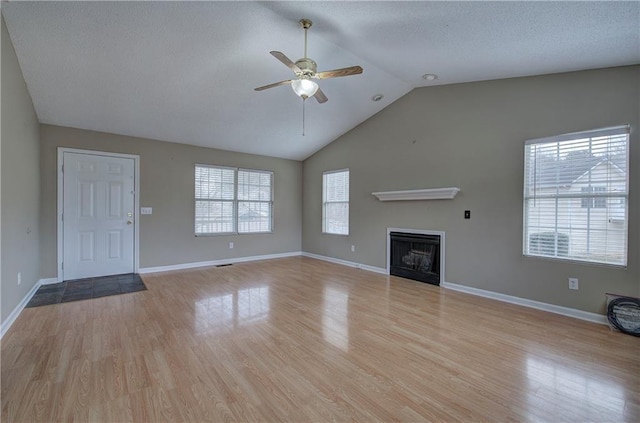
pixel 98 215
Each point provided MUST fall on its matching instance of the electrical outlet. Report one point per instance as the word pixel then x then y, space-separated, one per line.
pixel 231 245
pixel 353 248
pixel 573 283
pixel 19 278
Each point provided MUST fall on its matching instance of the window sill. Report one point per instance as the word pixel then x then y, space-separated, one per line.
pixel 232 234
pixel 576 261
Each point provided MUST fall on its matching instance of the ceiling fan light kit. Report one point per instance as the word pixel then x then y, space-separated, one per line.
pixel 304 88
pixel 305 70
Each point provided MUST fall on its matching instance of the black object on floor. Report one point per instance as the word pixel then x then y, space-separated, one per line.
pixel 84 289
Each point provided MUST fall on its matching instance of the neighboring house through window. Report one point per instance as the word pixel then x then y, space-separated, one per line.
pixel 335 202
pixel 593 202
pixel 575 196
pixel 230 200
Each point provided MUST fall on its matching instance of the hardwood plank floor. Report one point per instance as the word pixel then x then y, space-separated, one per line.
pixel 298 339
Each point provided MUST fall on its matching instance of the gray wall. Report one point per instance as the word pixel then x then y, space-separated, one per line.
pixel 472 136
pixel 167 185
pixel 20 183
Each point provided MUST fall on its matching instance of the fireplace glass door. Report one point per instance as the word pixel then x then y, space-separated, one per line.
pixel 415 256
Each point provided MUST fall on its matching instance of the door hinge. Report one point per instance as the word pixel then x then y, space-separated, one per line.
pixel 62 217
pixel 62 169
pixel 62 265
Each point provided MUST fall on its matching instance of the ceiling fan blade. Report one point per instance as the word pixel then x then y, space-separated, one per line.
pixel 276 84
pixel 288 63
pixel 319 95
pixel 353 70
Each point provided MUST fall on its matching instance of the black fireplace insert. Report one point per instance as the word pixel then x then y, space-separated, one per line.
pixel 415 256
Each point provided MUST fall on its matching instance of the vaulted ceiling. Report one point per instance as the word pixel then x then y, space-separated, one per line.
pixel 186 71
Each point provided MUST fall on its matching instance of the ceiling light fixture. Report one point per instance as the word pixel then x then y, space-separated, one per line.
pixel 377 97
pixel 304 88
pixel 430 76
pixel 305 70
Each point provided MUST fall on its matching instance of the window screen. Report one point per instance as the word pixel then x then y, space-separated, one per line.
pixel 575 196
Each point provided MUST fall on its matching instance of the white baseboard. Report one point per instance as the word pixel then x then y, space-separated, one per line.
pixel 565 311
pixel 16 311
pixel 346 263
pixel 216 262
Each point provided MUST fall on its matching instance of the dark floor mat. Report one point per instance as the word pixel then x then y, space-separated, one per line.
pixel 84 289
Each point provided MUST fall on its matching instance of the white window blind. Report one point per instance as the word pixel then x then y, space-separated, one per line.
pixel 229 200
pixel 254 201
pixel 215 194
pixel 575 196
pixel 335 202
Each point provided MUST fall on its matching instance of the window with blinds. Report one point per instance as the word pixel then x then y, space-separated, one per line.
pixel 254 201
pixel 575 196
pixel 230 200
pixel 335 202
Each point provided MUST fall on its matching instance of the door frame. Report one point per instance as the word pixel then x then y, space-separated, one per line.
pixel 136 202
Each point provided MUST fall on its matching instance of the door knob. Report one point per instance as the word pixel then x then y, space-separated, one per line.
pixel 129 222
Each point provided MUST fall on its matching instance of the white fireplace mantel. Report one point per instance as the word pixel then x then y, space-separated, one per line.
pixel 418 194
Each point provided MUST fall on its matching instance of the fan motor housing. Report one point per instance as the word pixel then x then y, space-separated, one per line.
pixel 307 66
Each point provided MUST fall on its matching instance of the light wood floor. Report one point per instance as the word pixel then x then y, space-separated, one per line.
pixel 303 340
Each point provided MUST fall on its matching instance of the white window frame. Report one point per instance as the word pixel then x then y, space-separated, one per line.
pixel 268 202
pixel 563 144
pixel 235 201
pixel 325 202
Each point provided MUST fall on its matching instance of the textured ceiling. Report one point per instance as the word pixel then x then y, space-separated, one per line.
pixel 185 71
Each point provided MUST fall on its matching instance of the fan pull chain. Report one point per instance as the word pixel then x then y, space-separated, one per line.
pixel 303 116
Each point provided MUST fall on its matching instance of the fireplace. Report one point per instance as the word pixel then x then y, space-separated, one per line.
pixel 416 255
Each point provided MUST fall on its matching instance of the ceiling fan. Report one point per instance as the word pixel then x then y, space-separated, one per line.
pixel 306 71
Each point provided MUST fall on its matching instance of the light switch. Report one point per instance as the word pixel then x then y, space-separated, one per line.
pixel 146 210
